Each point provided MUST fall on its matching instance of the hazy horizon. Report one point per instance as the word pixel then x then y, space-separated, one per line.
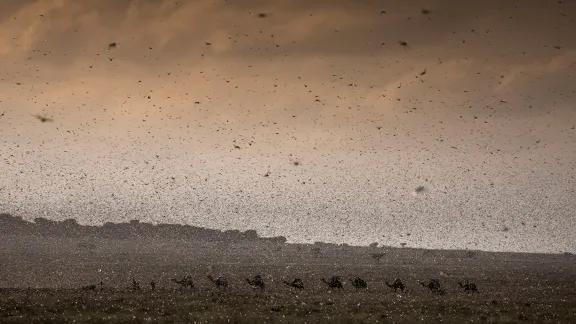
pixel 199 112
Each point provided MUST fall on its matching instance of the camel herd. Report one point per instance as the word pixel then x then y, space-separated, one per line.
pixel 333 283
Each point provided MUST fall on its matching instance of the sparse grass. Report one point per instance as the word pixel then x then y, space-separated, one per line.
pixel 167 306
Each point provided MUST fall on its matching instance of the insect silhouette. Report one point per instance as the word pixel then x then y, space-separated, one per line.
pixel 43 119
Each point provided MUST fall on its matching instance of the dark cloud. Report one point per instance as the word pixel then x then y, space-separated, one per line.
pixel 176 30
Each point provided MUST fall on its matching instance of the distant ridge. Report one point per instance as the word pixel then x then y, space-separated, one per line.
pixel 15 225
pixel 69 228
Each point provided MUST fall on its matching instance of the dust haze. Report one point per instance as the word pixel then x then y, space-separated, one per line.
pixel 307 120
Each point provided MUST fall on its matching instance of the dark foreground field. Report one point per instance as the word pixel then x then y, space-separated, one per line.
pixel 42 279
pixel 73 306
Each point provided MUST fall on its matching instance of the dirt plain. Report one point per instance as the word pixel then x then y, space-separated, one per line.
pixel 41 280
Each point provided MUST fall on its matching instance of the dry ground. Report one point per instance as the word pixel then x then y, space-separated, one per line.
pixel 41 279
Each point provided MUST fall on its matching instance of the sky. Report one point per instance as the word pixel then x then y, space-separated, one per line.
pixel 307 119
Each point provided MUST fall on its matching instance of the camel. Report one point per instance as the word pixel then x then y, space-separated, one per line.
pixel 220 282
pixel 296 283
pixel 184 282
pixel 469 287
pixel 334 282
pixel 397 284
pixel 257 282
pixel 359 283
pixel 434 286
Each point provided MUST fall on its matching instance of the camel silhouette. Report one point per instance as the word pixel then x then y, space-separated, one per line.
pixel 397 284
pixel 296 283
pixel 257 282
pixel 184 282
pixel 334 283
pixel 220 282
pixel 359 283
pixel 434 286
pixel 468 286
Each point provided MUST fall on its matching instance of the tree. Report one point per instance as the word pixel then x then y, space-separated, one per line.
pixel 279 239
pixel 250 235
pixel 70 222
pixel 69 228
pixel 373 245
